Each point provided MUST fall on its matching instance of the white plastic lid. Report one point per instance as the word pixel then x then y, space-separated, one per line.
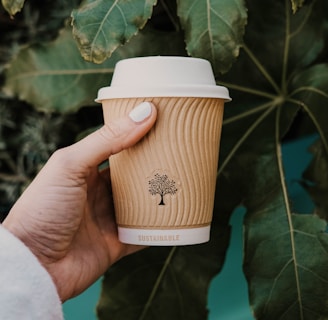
pixel 163 76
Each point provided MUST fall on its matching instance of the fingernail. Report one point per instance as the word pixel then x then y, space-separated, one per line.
pixel 141 112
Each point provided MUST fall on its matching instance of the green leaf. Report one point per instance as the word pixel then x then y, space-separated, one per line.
pixel 163 282
pixel 259 83
pixel 13 6
pixel 286 253
pixel 278 43
pixel 54 77
pixel 101 26
pixel 214 29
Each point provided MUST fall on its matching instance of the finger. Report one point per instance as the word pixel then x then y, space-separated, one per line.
pixel 115 136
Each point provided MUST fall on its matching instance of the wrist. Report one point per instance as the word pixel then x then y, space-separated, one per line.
pixel 16 228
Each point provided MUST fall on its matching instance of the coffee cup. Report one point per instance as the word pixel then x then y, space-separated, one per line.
pixel 163 187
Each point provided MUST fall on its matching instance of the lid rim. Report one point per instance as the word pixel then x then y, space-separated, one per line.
pixel 120 92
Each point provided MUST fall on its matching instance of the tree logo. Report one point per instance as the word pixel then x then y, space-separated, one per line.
pixel 162 185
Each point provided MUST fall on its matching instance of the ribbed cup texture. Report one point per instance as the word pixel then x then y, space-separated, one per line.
pixel 168 179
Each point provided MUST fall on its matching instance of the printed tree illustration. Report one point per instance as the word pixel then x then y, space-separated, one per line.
pixel 162 185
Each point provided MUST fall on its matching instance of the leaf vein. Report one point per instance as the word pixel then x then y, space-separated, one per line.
pixel 315 274
pixel 101 25
pixel 276 278
pixel 311 89
pixel 288 210
pixel 247 113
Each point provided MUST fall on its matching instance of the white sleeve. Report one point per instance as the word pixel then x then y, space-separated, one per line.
pixel 27 291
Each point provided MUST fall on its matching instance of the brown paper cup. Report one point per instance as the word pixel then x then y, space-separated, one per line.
pixel 164 186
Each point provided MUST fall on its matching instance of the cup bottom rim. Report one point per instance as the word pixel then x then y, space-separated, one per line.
pixel 164 237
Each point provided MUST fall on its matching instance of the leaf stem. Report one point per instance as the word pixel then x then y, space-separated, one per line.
pixel 157 283
pixel 261 68
pixel 309 89
pixel 287 206
pixel 286 49
pixel 247 90
pixel 304 20
pixel 247 113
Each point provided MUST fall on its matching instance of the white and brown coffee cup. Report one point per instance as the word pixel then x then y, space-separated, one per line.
pixel 163 187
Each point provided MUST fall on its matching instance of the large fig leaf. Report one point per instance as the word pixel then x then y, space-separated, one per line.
pixel 286 258
pixel 259 82
pixel 101 26
pixel 13 6
pixel 54 77
pixel 285 253
pixel 163 282
pixel 214 29
pixel 277 73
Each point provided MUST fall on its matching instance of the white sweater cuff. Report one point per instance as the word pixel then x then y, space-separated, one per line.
pixel 26 289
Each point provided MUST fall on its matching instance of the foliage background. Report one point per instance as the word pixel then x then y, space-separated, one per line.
pixel 272 55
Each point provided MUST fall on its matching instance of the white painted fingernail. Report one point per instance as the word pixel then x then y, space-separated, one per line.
pixel 141 112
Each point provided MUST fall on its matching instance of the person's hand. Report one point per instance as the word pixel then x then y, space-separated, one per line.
pixel 66 215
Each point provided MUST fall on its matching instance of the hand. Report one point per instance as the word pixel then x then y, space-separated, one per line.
pixel 66 215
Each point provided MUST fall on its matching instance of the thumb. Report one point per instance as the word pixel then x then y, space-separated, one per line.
pixel 115 136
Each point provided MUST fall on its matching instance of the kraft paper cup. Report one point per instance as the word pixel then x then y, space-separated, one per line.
pixel 163 187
